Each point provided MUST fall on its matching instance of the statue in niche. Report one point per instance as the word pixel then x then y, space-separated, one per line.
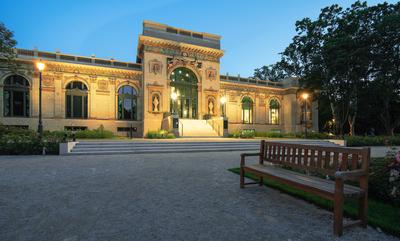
pixel 210 107
pixel 156 103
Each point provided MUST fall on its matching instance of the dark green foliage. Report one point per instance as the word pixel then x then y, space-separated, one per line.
pixel 17 141
pixel 381 211
pixel 372 140
pixel 349 57
pixel 278 134
pixel 246 134
pixel 379 185
pixel 161 134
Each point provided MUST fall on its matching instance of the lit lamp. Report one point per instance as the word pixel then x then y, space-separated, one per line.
pixel 40 66
pixel 174 97
pixel 305 96
pixel 223 101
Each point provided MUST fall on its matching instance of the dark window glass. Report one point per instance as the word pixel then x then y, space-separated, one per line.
pixel 76 100
pixel 16 96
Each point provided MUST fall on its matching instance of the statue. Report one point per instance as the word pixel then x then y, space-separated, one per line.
pixel 156 103
pixel 210 107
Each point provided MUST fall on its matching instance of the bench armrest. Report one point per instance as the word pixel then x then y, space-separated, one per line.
pixel 243 156
pixel 350 175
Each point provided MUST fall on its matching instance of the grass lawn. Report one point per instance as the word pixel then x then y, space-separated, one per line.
pixel 382 215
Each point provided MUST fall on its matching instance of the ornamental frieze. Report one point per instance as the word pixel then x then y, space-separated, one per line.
pixel 175 52
pixel 93 71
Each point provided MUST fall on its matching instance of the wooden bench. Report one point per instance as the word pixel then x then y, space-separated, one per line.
pixel 330 168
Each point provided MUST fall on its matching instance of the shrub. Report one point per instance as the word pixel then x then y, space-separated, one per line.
pixel 372 140
pixel 17 141
pixel 160 134
pixel 98 133
pixel 380 184
pixel 243 134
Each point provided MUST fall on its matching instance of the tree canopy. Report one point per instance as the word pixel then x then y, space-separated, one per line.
pixel 352 56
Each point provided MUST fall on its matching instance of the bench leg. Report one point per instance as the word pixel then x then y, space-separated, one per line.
pixel 261 181
pixel 338 209
pixel 363 210
pixel 363 203
pixel 241 177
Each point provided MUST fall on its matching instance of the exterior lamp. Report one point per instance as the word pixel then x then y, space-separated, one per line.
pixel 305 96
pixel 223 101
pixel 40 66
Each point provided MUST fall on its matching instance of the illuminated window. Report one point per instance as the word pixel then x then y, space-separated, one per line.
pixel 127 103
pixel 247 110
pixel 274 112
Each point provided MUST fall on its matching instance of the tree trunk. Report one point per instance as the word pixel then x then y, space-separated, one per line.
pixel 352 123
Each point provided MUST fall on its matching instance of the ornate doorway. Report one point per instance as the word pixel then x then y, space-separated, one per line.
pixel 184 93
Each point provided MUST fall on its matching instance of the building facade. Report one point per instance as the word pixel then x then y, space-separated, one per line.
pixel 177 71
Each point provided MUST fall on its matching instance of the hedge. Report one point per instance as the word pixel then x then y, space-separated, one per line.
pixel 161 134
pixel 16 141
pixel 373 140
pixel 276 134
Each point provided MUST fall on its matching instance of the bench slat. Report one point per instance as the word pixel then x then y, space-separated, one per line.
pixel 323 185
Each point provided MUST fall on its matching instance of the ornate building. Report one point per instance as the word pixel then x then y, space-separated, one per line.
pixel 177 71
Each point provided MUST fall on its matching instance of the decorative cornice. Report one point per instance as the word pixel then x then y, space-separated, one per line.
pixel 177 48
pixel 92 71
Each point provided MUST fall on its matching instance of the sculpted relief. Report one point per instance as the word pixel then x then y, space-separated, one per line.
pixel 155 66
pixel 211 73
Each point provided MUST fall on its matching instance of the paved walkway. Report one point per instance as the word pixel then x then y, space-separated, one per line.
pixel 150 197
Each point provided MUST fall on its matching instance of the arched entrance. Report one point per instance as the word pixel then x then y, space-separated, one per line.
pixel 184 93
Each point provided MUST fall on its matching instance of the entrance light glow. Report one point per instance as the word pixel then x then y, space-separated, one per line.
pixel 223 100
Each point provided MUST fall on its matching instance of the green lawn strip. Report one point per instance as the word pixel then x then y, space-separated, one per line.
pixel 382 215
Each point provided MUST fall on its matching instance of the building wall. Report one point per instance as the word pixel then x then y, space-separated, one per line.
pixel 102 83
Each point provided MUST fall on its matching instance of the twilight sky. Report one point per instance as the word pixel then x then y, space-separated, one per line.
pixel 253 32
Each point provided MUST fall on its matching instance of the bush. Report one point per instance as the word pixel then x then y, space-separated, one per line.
pixel 278 134
pixel 380 186
pixel 18 141
pixel 98 133
pixel 243 134
pixel 372 140
pixel 161 134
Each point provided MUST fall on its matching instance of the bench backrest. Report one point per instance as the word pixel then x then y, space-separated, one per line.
pixel 321 159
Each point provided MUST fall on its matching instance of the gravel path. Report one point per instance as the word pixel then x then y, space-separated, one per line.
pixel 150 197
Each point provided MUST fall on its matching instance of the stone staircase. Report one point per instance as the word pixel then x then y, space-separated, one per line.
pixel 175 146
pixel 195 128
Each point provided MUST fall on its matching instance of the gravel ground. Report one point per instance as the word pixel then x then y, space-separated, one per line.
pixel 151 197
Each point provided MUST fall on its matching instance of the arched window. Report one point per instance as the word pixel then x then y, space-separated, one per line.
pixel 184 87
pixel 127 103
pixel 247 110
pixel 76 100
pixel 274 112
pixel 16 96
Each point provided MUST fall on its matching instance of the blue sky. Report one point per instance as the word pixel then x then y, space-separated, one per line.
pixel 253 32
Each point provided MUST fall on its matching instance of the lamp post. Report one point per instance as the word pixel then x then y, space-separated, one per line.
pixel 40 66
pixel 174 97
pixel 305 97
pixel 223 101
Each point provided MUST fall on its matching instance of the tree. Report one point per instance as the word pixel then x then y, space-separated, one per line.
pixel 347 53
pixel 273 72
pixel 7 44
